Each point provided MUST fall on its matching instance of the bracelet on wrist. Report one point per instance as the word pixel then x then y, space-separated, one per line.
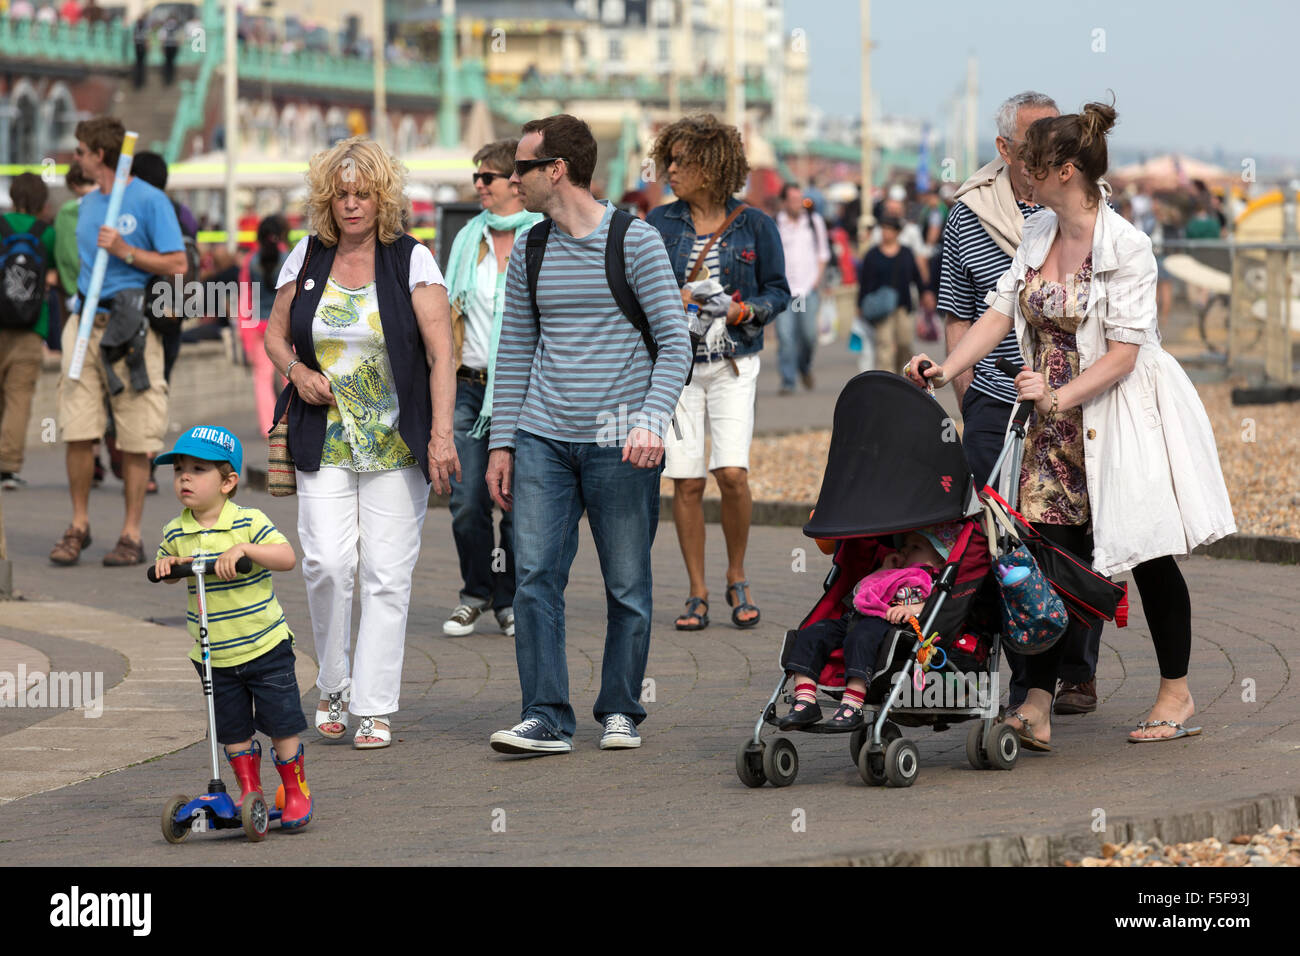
pixel 288 369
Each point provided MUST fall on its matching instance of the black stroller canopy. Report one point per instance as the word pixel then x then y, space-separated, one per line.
pixel 895 462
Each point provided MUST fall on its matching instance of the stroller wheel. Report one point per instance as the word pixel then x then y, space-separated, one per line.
pixel 889 732
pixel 1003 747
pixel 858 740
pixel 749 763
pixel 871 767
pixel 781 762
pixel 974 746
pixel 902 763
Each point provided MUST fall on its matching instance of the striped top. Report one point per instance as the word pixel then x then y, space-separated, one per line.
pixel 588 369
pixel 244 618
pixel 710 269
pixel 972 264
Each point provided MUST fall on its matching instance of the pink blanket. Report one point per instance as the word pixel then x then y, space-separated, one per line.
pixel 875 592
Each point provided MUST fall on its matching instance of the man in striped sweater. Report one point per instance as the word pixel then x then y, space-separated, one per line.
pixel 579 412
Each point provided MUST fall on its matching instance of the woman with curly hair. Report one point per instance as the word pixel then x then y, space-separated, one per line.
pixel 727 257
pixel 1120 463
pixel 361 329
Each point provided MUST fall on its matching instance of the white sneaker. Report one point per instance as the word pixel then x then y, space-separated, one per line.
pixel 461 621
pixel 620 734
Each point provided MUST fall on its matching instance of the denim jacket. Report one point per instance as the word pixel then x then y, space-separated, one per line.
pixel 749 255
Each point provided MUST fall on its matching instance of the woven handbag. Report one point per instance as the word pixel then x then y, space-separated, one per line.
pixel 281 476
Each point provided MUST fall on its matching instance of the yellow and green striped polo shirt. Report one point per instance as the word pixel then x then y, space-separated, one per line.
pixel 244 618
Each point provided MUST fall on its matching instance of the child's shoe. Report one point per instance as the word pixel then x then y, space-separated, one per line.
pixel 846 718
pixel 297 798
pixel 247 765
pixel 802 714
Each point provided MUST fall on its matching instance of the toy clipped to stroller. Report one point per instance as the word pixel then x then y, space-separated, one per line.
pixel 896 479
pixel 214 810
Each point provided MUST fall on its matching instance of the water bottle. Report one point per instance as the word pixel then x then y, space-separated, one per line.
pixel 694 323
pixel 1012 575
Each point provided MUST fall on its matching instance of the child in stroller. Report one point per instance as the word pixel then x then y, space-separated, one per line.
pixel 883 599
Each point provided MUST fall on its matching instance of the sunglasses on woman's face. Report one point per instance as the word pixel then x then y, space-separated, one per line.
pixel 523 166
pixel 489 178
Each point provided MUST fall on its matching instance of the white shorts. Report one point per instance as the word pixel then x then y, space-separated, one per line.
pixel 718 404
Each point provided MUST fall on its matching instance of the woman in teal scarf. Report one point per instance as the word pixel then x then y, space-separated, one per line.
pixel 476 280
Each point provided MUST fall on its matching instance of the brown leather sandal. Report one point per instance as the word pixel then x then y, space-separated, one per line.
pixel 68 550
pixel 125 553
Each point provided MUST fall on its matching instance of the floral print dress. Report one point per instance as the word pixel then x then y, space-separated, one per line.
pixel 1053 486
pixel 361 430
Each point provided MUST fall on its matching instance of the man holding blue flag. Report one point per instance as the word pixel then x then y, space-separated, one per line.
pixel 124 360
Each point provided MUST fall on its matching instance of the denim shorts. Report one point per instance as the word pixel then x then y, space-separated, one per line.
pixel 261 694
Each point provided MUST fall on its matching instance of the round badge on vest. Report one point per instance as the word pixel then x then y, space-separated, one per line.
pixel 309 284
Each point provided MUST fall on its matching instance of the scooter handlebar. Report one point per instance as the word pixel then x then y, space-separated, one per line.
pixel 1011 370
pixel 185 569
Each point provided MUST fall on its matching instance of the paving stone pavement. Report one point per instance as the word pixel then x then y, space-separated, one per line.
pixel 435 796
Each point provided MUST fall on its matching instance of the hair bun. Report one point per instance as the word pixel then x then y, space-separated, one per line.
pixel 1096 121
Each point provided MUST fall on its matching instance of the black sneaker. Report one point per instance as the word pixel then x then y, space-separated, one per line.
pixel 11 482
pixel 529 737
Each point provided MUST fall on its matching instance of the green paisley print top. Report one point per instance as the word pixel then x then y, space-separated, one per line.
pixel 361 431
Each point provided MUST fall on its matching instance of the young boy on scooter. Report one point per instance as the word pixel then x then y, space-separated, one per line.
pixel 253 680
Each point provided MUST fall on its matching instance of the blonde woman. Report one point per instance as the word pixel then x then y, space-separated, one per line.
pixel 361 329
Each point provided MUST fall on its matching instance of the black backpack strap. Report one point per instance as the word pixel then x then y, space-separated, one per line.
pixel 6 230
pixel 38 228
pixel 616 276
pixel 533 253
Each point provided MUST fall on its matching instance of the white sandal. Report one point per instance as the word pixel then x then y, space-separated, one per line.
pixel 337 714
pixel 369 728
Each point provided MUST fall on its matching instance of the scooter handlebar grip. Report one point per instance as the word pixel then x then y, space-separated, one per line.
pixel 186 570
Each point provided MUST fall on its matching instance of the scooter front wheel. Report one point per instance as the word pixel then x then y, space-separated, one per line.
pixel 256 817
pixel 172 831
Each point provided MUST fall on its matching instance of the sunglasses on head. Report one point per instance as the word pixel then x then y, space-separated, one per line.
pixel 489 178
pixel 522 166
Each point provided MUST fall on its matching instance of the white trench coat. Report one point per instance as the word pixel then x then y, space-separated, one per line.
pixel 1154 482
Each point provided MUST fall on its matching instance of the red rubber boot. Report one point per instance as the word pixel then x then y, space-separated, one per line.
pixel 247 765
pixel 297 798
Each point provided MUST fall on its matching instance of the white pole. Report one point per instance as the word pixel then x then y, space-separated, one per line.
pixel 231 111
pixel 380 132
pixel 91 305
pixel 865 219
pixel 972 82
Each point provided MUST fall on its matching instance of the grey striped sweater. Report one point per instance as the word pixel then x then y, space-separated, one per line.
pixel 588 377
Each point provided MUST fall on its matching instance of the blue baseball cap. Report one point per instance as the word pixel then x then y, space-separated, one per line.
pixel 209 442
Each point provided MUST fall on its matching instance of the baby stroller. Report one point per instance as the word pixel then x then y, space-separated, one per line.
pixel 896 465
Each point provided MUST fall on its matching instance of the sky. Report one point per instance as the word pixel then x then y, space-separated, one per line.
pixel 1190 75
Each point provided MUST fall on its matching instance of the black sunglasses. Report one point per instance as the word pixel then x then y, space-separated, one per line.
pixel 523 166
pixel 489 178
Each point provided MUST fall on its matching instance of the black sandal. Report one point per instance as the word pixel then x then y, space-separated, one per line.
pixel 737 591
pixel 693 610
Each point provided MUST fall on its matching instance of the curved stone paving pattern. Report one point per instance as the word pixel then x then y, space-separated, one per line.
pixel 431 798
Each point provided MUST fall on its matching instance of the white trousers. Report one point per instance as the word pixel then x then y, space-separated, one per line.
pixel 382 512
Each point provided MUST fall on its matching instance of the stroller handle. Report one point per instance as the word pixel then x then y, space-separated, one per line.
pixel 185 569
pixel 1011 370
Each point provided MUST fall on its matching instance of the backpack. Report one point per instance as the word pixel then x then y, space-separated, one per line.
pixel 168 324
pixel 615 275
pixel 22 275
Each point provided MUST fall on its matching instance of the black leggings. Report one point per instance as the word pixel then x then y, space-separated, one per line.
pixel 1165 601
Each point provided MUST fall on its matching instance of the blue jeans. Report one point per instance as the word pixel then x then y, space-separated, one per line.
pixel 471 514
pixel 796 337
pixel 554 482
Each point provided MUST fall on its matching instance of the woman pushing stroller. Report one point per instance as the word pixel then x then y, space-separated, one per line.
pixel 883 599
pixel 1120 460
